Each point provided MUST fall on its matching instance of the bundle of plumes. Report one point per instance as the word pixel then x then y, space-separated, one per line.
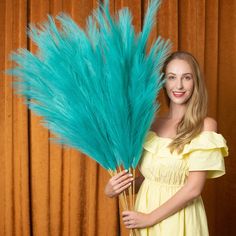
pixel 96 89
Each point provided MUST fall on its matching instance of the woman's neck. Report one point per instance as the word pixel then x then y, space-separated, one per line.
pixel 176 111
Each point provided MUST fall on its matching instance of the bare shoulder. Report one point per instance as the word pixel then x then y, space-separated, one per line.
pixel 210 124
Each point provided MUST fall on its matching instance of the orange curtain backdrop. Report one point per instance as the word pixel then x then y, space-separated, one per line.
pixel 47 190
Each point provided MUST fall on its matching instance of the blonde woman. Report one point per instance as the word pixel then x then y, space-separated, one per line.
pixel 181 151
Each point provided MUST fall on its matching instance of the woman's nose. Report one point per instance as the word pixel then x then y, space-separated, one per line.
pixel 179 84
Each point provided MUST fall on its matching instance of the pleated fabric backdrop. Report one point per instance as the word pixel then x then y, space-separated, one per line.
pixel 47 190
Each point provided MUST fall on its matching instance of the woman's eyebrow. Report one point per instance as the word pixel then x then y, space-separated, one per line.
pixel 171 73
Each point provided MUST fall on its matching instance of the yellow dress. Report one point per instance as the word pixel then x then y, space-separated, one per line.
pixel 166 173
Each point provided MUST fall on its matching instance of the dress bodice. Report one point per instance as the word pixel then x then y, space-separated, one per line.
pixel 204 152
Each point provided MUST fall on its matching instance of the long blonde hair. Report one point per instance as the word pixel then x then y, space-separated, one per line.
pixel 192 122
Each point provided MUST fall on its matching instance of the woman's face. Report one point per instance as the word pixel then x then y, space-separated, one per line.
pixel 179 81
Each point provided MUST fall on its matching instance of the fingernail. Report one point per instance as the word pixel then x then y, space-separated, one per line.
pixel 126 171
pixel 130 175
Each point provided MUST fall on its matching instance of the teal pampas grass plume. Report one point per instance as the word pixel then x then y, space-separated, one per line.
pixel 96 88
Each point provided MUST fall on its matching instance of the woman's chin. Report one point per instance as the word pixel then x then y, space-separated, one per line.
pixel 179 101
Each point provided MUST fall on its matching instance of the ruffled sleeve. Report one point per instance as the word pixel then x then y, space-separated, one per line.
pixel 207 152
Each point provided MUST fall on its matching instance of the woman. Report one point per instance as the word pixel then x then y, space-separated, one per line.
pixel 180 152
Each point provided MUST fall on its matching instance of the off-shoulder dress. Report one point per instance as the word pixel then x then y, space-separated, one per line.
pixel 165 173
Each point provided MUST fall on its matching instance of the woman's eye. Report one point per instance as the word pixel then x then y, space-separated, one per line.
pixel 188 77
pixel 171 77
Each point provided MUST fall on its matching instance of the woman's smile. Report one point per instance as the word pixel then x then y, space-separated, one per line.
pixel 178 94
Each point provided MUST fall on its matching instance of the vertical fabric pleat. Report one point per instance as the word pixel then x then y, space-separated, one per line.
pixel 39 148
pixel 226 108
pixel 46 189
pixel 167 27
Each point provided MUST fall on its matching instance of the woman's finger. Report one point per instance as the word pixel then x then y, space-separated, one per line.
pixel 129 227
pixel 123 172
pixel 126 218
pixel 123 178
pixel 121 189
pixel 126 213
pixel 123 183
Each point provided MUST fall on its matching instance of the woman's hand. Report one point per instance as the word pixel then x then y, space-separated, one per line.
pixel 136 220
pixel 118 183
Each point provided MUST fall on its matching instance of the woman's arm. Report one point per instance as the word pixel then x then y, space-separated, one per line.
pixel 191 190
pixel 179 200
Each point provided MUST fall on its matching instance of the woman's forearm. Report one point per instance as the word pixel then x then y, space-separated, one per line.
pixel 174 204
pixel 180 200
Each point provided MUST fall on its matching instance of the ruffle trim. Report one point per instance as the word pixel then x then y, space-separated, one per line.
pixel 206 140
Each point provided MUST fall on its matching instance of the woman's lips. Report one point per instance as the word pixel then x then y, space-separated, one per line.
pixel 178 94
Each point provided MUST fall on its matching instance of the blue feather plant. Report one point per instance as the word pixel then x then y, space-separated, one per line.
pixel 96 88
